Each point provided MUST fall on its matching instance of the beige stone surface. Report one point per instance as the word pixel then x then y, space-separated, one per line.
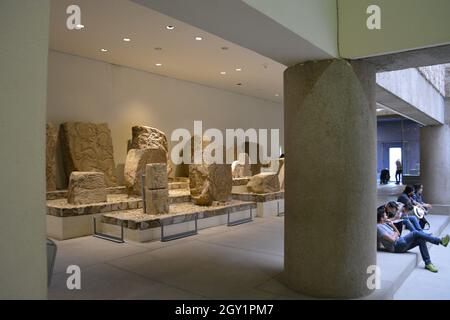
pixel 88 147
pixel 144 137
pixel 135 164
pixel 281 176
pixel 147 137
pixel 52 137
pixel 156 176
pixel 241 167
pixel 210 183
pixel 157 201
pixel 86 188
pixel 265 182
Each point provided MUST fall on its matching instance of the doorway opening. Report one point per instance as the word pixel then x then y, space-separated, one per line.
pixel 394 155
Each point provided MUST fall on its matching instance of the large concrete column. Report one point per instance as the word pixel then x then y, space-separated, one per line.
pixel 435 163
pixel 24 34
pixel 330 222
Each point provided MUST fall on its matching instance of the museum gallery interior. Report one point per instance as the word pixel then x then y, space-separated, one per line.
pixel 109 103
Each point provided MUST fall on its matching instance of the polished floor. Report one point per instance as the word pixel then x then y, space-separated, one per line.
pixel 220 263
pixel 241 262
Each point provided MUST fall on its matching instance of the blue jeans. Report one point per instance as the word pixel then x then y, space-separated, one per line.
pixel 412 223
pixel 414 239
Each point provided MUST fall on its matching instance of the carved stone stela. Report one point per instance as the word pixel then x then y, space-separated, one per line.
pixel 88 147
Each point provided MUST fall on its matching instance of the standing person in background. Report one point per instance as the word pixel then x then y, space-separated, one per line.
pixel 399 172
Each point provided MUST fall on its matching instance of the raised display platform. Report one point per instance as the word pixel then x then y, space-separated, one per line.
pixel 268 204
pixel 66 221
pixel 184 219
pixel 62 194
pixel 174 184
pixel 116 202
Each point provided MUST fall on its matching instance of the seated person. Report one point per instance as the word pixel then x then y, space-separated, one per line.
pixel 418 197
pixel 389 237
pixel 398 214
pixel 409 203
pixel 406 197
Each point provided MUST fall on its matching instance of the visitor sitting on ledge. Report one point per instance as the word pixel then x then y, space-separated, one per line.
pixel 398 214
pixel 407 199
pixel 389 237
pixel 418 197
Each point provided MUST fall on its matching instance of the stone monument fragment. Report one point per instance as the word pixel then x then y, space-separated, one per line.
pixel 210 182
pixel 135 163
pixel 144 137
pixel 265 182
pixel 51 139
pixel 241 168
pixel 86 188
pixel 88 147
pixel 156 191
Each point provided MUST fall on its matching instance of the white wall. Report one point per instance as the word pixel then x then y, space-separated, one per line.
pixel 23 79
pixel 81 89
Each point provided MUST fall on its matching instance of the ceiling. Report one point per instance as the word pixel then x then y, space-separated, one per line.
pixel 382 110
pixel 108 22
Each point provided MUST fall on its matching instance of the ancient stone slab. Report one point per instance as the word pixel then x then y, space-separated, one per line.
pixel 51 138
pixel 241 167
pixel 135 164
pixel 144 137
pixel 157 201
pixel 265 182
pixel 156 176
pixel 148 138
pixel 88 147
pixel 210 183
pixel 86 188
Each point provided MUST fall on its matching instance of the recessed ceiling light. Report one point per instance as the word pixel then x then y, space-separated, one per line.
pixel 104 50
pixel 126 39
pixel 238 69
pixel 169 27
pixel 158 64
pixel 198 38
pixel 223 73
pixel 79 26
pixel 378 110
pixel 277 95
